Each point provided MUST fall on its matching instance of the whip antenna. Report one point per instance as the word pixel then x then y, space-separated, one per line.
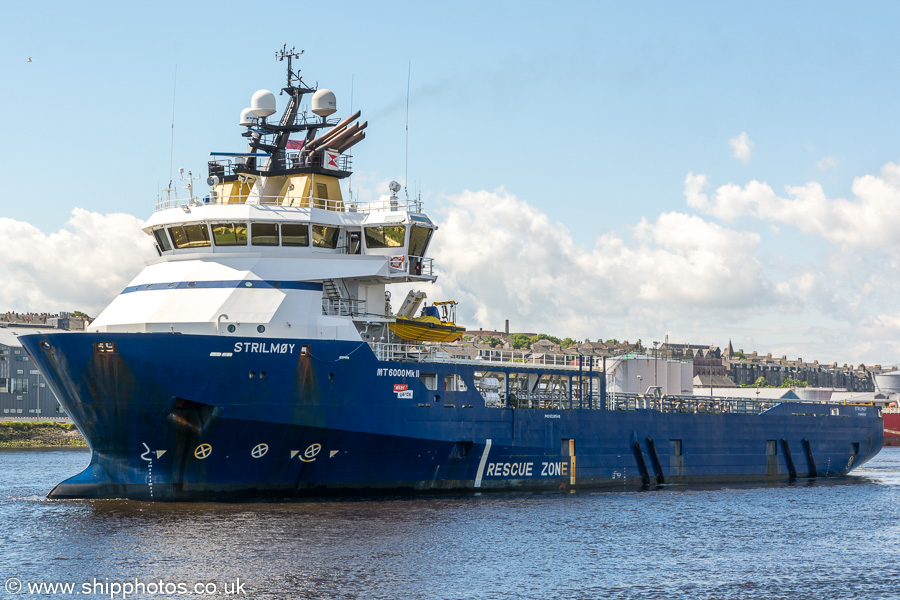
pixel 172 135
pixel 406 160
pixel 350 179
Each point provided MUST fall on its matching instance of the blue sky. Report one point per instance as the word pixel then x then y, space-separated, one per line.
pixel 588 118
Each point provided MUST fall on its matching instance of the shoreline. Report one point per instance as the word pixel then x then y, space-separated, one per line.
pixel 31 434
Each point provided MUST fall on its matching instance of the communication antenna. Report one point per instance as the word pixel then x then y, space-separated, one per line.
pixel 350 179
pixel 289 54
pixel 190 182
pixel 172 135
pixel 406 160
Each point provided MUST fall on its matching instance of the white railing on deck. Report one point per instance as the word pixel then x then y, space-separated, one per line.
pixel 343 307
pixel 406 205
pixel 449 352
pixel 585 395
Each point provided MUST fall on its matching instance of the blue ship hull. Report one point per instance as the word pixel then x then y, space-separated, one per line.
pixel 186 417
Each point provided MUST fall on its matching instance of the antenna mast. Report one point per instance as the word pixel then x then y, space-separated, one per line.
pixel 406 160
pixel 172 135
pixel 289 54
pixel 350 152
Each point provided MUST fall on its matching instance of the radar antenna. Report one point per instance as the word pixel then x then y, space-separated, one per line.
pixel 289 54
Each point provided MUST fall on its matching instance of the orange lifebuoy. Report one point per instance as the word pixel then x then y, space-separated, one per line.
pixel 397 262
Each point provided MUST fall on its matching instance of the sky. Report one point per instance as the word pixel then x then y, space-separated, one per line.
pixel 705 171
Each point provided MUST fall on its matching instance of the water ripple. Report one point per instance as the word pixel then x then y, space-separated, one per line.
pixel 821 539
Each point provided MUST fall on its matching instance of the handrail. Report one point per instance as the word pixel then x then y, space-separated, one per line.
pixel 581 395
pixel 443 352
pixel 294 201
pixel 344 307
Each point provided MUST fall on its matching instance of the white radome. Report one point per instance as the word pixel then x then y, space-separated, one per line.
pixel 324 103
pixel 248 118
pixel 262 104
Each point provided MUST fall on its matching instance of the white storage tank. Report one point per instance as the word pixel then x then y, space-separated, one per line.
pixel 888 382
pixel 636 373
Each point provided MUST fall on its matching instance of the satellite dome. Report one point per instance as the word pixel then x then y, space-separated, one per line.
pixel 263 103
pixel 248 119
pixel 324 103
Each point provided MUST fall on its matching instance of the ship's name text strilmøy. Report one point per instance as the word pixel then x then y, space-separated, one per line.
pixel 264 348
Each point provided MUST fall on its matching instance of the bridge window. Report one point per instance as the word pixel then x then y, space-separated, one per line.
pixel 190 236
pixel 264 234
pixel 230 234
pixel 418 240
pixel 325 237
pixel 294 234
pixel 385 236
pixel 162 239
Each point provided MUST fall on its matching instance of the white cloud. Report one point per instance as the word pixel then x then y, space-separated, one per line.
pixel 80 267
pixel 676 273
pixel 870 220
pixel 503 258
pixel 741 147
pixel 512 262
pixel 827 162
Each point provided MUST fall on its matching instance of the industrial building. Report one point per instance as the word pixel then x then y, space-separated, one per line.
pixel 24 393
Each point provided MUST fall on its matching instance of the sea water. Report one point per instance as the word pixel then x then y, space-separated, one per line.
pixel 837 538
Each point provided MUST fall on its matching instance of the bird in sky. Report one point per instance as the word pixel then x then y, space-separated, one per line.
pixel 29 59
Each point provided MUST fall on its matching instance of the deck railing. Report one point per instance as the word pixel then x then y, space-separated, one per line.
pixel 295 201
pixel 451 353
pixel 586 395
pixel 343 307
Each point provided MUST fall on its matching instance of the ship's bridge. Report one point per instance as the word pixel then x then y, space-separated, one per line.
pixel 392 236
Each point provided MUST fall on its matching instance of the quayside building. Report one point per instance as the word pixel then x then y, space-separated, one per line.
pixel 24 392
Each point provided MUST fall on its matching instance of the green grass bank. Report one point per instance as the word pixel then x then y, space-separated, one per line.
pixel 28 434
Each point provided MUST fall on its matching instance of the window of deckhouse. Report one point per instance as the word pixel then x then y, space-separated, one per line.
pixel 189 236
pixel 230 234
pixel 294 234
pixel 162 239
pixel 264 234
pixel 418 240
pixel 324 236
pixel 385 236
pixel 354 242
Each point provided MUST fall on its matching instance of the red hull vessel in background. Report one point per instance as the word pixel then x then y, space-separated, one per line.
pixel 891 426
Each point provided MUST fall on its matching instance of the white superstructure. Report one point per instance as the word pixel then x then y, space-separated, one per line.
pixel 274 250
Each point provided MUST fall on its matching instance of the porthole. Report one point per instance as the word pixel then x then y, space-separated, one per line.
pixel 149 285
pixel 171 285
pixel 192 284
pixel 261 328
pixel 252 374
pixel 231 328
pixel 248 284
pixel 262 374
pixel 45 345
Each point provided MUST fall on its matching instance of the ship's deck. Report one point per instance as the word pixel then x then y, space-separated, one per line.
pixel 588 368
